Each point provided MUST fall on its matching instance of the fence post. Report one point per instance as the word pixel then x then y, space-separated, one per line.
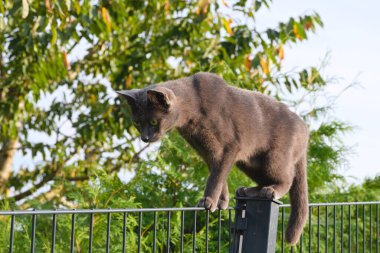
pixel 255 225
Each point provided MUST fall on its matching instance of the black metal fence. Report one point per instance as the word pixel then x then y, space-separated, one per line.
pixel 337 227
pixel 332 227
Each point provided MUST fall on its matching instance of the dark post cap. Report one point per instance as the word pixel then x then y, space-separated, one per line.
pixel 258 199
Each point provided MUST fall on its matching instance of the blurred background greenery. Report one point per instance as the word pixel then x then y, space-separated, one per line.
pixel 66 139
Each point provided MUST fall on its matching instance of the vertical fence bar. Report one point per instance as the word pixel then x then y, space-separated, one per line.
pixel 155 232
pixel 370 228
pixel 53 230
pixel 168 232
pixel 282 229
pixel 219 230
pixel 310 228
pixel 139 233
pixel 182 228
pixel 108 232
pixel 318 229
pixel 33 233
pixel 301 243
pixel 72 233
pixel 363 228
pixel 11 236
pixel 90 237
pixel 124 232
pixel 229 232
pixel 334 234
pixel 349 229
pixel 377 228
pixel 234 228
pixel 326 229
pixel 341 228
pixel 357 228
pixel 195 231
pixel 207 228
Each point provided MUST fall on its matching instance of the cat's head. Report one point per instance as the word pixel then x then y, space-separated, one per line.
pixel 153 111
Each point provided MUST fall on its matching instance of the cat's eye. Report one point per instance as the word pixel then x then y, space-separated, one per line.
pixel 153 122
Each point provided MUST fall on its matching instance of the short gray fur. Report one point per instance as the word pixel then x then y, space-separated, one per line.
pixel 230 126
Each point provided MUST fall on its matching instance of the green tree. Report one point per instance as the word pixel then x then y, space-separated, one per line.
pixel 61 61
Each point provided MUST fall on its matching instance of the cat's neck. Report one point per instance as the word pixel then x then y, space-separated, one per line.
pixel 186 105
pixel 186 111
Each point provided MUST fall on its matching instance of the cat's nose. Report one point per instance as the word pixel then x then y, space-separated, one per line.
pixel 145 138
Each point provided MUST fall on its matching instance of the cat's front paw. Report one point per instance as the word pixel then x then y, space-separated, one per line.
pixel 207 203
pixel 223 204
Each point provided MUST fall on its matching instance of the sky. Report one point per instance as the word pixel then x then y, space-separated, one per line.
pixel 351 39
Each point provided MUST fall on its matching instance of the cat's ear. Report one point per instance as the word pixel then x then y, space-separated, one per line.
pixel 161 97
pixel 130 96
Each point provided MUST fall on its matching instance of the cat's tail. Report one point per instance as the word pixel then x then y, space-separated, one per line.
pixel 299 203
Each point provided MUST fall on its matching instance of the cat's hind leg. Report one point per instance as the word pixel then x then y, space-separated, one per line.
pixel 255 174
pixel 279 173
pixel 274 177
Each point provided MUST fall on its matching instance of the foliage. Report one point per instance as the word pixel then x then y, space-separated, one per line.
pixel 61 61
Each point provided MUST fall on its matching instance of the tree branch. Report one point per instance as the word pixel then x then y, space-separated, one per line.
pixel 45 197
pixel 82 178
pixel 45 179
pixel 135 158
pixel 48 177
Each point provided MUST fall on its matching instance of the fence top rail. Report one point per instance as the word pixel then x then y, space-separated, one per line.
pixel 105 211
pixel 138 210
pixel 339 204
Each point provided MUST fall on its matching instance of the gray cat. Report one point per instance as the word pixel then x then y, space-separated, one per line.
pixel 227 126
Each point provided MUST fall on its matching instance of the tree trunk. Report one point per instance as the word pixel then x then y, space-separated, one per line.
pixel 7 153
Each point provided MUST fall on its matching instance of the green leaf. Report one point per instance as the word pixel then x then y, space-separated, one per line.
pixel 2 7
pixel 53 34
pixel 25 8
pixel 68 4
pixel 2 23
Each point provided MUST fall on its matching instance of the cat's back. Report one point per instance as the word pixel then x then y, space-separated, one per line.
pixel 245 107
pixel 201 84
pixel 217 95
pixel 212 92
pixel 208 82
pixel 215 88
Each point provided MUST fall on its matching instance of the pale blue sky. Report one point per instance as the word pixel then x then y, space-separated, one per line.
pixel 351 36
